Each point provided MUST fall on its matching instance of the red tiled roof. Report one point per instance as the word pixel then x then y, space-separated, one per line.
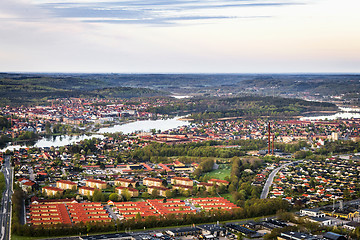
pixel 53 188
pixel 66 182
pixel 95 181
pixel 153 179
pixel 128 188
pixel 182 179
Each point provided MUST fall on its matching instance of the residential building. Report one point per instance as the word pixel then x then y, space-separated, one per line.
pixel 124 182
pixel 182 181
pixel 160 190
pixel 96 184
pixel 65 185
pixel 86 191
pixel 52 191
pixel 152 182
pixel 132 191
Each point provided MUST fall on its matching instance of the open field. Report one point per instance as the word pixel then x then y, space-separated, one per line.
pixel 220 173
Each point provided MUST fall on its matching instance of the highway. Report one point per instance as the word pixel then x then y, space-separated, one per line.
pixel 270 179
pixel 5 208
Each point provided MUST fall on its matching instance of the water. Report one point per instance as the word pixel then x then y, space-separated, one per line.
pixel 346 113
pixel 181 97
pixel 55 141
pixel 146 126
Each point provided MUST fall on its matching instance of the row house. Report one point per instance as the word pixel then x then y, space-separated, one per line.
pixel 213 203
pixel 88 212
pixel 45 214
pixel 171 206
pixel 133 209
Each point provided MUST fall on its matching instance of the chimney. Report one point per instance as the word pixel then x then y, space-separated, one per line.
pixel 269 132
pixel 273 137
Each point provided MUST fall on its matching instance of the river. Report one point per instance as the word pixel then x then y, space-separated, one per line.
pixel 138 126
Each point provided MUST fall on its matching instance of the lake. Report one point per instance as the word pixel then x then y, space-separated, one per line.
pixel 146 126
pixel 138 126
pixel 345 113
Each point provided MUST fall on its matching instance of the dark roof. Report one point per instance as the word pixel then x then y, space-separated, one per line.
pixel 320 219
pixel 298 236
pixel 184 229
pixel 334 236
pixel 352 224
pixel 241 229
pixel 107 236
pixel 211 227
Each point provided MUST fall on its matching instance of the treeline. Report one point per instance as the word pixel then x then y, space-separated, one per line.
pixel 191 149
pixel 292 148
pixel 205 166
pixel 240 181
pixel 247 106
pixel 36 89
pixel 4 123
pixel 2 184
pixel 159 152
pixel 59 128
pixel 17 201
pixel 340 146
pixel 256 208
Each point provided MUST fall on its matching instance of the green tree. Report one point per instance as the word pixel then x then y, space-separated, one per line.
pixel 114 197
pixel 97 196
pixel 126 194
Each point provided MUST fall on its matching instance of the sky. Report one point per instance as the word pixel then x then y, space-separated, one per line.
pixel 180 36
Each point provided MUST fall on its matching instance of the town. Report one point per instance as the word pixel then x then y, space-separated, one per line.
pixel 201 172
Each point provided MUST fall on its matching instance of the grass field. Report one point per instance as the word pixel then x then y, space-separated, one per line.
pixel 223 171
pixel 228 196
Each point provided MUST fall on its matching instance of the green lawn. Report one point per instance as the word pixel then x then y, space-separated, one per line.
pixel 223 171
pixel 228 196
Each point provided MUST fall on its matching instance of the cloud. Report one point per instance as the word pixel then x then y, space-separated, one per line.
pixel 153 11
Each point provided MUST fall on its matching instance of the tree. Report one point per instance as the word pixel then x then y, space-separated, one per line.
pixel 126 194
pixel 114 197
pixel 145 195
pixel 169 194
pixel 97 196
pixel 155 193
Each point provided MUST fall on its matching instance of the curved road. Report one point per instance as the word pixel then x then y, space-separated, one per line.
pixel 270 179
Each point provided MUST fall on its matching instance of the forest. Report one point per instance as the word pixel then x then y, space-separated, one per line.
pixel 36 87
pixel 16 90
pixel 251 106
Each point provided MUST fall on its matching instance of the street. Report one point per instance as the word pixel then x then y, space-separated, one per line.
pixel 5 208
pixel 270 179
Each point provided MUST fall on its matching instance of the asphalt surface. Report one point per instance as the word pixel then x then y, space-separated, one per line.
pixel 270 179
pixel 5 208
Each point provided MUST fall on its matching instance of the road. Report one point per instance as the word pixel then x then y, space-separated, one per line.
pixel 270 179
pixel 5 208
